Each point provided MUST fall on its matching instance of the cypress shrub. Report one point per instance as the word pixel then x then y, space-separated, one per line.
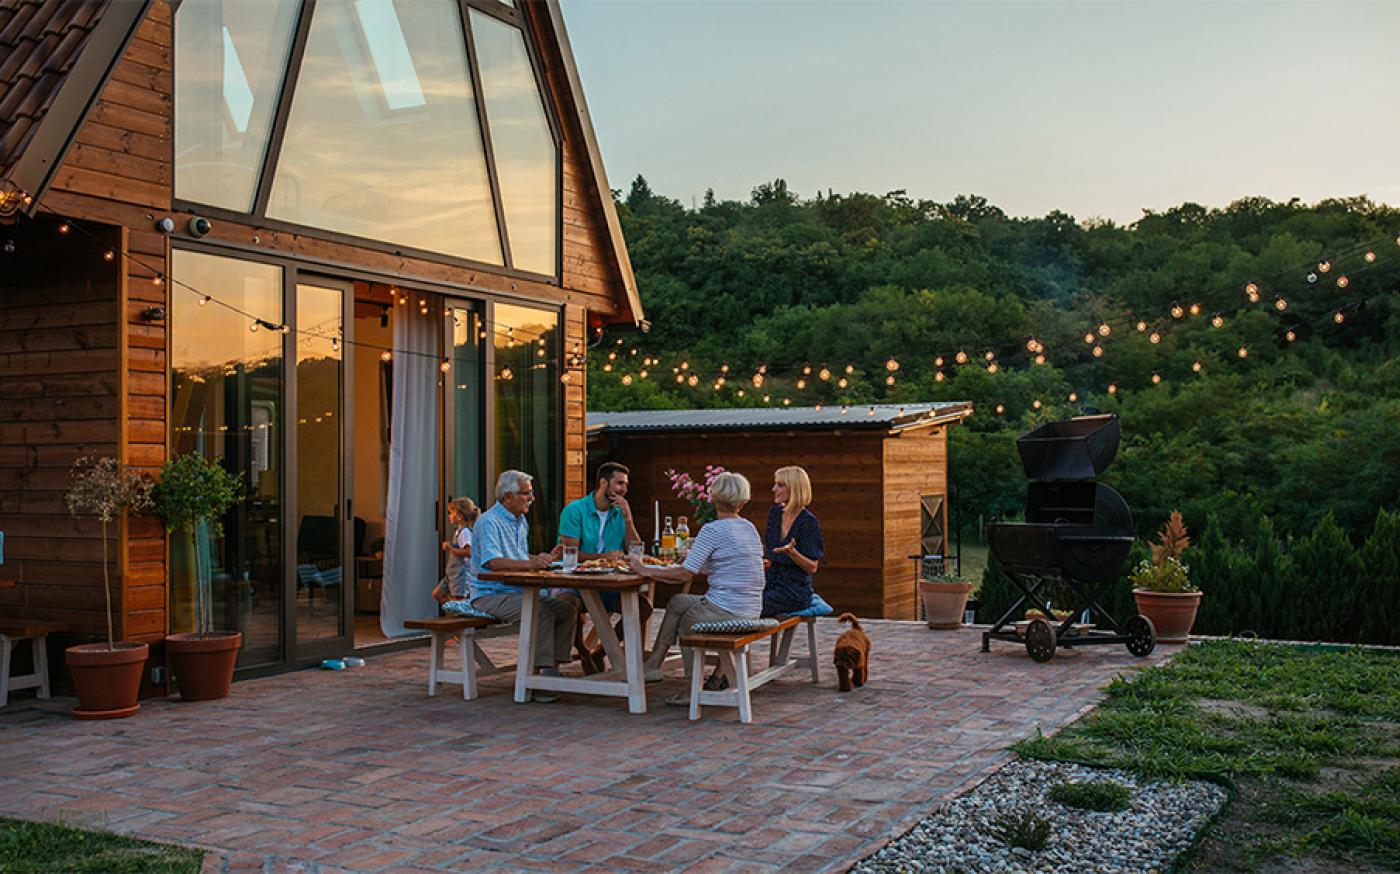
pixel 1380 581
pixel 1272 584
pixel 1326 598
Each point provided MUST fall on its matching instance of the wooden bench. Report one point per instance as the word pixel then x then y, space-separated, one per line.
pixel 468 632
pixel 12 633
pixel 810 660
pixel 732 653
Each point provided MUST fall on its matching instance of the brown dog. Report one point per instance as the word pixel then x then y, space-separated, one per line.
pixel 852 655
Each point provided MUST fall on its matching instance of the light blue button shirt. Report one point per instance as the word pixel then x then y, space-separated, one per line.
pixel 499 533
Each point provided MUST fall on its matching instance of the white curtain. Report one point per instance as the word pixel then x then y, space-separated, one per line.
pixel 411 535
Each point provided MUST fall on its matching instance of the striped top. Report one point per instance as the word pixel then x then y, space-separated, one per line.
pixel 731 553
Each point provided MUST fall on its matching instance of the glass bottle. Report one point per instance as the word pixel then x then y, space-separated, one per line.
pixel 668 539
pixel 682 537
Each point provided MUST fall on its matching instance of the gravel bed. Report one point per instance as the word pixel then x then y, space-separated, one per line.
pixel 1147 837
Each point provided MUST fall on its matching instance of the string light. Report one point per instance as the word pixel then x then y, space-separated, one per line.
pixel 1098 351
pixel 1370 257
pixel 824 374
pixel 1324 266
pixel 992 368
pixel 607 368
pixel 204 301
pixel 938 376
pixel 1073 396
pixel 740 392
pixel 765 399
pixel 1343 282
pixel 787 401
pixel 870 412
pixel 445 365
pixel 801 384
pixel 1113 388
pixel 1251 291
pixel 807 370
pixel 1217 321
pixel 1141 326
pixel 64 228
pixel 1312 277
pixel 1105 330
pixel 1196 366
pixel 679 379
pixel 692 380
pixel 1177 311
pixel 1089 337
pixel 938 362
pixel 157 280
pixel 109 255
pixel 506 374
pixel 842 382
pixel 1280 304
pixel 643 374
pixel 961 357
pixel 889 380
pixel 685 365
pixel 564 377
pixel 891 365
pixel 1155 337
pixel 1040 359
pixel 720 381
pixel 284 328
pixel 850 368
pixel 844 409
pixel 1036 403
pixel 1195 309
pixel 818 408
pixel 335 344
pixel 626 379
pixel 1291 336
pixel 1156 379
pixel 1244 352
pixel 1000 409
pixel 990 355
pixel 1339 318
pixel 758 380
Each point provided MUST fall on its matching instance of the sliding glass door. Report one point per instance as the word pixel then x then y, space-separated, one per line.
pixel 464 410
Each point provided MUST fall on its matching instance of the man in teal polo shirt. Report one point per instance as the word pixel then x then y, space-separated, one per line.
pixel 600 525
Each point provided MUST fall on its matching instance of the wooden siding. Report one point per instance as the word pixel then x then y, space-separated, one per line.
pixel 60 399
pixel 866 489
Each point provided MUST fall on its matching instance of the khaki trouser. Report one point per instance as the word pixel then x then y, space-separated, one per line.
pixel 684 612
pixel 554 624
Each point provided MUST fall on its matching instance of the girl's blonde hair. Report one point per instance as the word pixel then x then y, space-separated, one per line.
pixel 730 491
pixel 799 487
pixel 466 508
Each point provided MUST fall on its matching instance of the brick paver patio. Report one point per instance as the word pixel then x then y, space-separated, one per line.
pixel 360 770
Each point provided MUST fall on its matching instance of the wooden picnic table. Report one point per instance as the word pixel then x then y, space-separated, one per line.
pixel 627 683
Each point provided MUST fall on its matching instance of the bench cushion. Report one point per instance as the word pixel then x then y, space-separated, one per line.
pixel 465 608
pixel 448 623
pixel 734 640
pixel 733 626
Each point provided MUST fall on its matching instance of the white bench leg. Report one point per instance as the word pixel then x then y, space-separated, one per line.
pixel 41 663
pixel 695 658
pixel 812 649
pixel 467 646
pixel 434 662
pixel 6 645
pixel 740 661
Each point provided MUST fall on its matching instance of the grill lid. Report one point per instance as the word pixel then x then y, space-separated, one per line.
pixel 1078 448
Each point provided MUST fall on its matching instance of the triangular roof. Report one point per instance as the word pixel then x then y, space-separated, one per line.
pixel 57 55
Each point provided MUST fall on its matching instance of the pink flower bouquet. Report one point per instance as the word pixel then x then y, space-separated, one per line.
pixel 696 492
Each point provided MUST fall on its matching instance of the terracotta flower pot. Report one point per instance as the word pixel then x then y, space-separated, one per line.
pixel 108 681
pixel 202 662
pixel 944 603
pixel 1172 613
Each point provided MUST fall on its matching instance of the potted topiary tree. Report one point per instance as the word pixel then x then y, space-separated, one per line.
pixel 1162 585
pixel 107 676
pixel 193 492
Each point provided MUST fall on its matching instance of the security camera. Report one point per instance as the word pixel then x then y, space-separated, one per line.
pixel 199 227
pixel 166 225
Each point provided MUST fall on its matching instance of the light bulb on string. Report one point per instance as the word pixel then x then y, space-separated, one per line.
pixel 693 380
pixel 1251 291
pixel 679 379
pixel 1036 403
pixel 1113 388
pixel 724 368
pixel 938 362
pixel 445 365
pixel 1098 351
pixel 204 301
pixel 626 379
pixel 564 377
pixel 1339 318
pixel 758 380
pixel 961 357
pixel 284 328
pixel 109 255
pixel 1000 409
pixel 506 374
pixel 844 409
pixel 607 368
pixel 801 384
pixel 1324 266
pixel 1177 311
pixel 850 368
pixel 1040 359
pixel 1030 345
pixel 612 356
pixel 787 402
pixel 1312 277
pixel 990 355
pixel 740 392
pixel 157 280
pixel 763 368
pixel 1196 366
pixel 807 370
pixel 633 352
pixel 992 368
pixel 1217 321
pixel 1370 257
pixel 1141 326
pixel 766 398
pixel 685 365
pixel 1280 304
pixel 824 374
pixel 1243 352
pixel 891 365
pixel 1104 329
pixel 1089 337
pixel 889 380
pixel 64 228
pixel 642 373
pixel 843 382
pixel 818 408
pixel 1291 336
pixel 870 412
pixel 1342 281
pixel 1195 309
pixel 1156 379
pixel 720 381
pixel 938 376
pixel 1073 396
pixel 335 344
pixel 385 355
pixel 1155 337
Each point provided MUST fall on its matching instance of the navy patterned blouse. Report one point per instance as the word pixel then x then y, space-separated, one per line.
pixel 788 588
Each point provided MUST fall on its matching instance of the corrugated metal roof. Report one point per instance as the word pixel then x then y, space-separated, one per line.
pixel 889 417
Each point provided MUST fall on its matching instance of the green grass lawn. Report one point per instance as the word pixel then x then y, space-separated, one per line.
pixel 1307 737
pixel 45 847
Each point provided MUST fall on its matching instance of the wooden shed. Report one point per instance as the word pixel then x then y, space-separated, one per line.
pixel 879 480
pixel 297 237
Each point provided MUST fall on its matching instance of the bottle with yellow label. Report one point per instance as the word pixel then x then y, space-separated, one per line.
pixel 668 539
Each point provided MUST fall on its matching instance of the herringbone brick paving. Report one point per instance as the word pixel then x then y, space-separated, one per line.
pixel 359 770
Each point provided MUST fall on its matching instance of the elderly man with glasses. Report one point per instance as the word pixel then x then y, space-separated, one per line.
pixel 500 542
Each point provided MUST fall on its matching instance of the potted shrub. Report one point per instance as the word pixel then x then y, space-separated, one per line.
pixel 194 493
pixel 945 600
pixel 107 676
pixel 1162 584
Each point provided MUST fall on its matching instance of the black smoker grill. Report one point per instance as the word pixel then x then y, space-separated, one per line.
pixel 1077 531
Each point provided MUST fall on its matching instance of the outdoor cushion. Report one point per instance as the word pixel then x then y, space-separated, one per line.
pixel 733 626
pixel 818 607
pixel 465 608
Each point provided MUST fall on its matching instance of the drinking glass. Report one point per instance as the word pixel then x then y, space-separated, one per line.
pixel 570 558
pixel 635 548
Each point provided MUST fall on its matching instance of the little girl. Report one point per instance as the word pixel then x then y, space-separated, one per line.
pixel 455 584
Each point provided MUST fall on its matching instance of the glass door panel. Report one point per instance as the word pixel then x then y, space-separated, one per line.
pixel 464 434
pixel 319 480
pixel 528 424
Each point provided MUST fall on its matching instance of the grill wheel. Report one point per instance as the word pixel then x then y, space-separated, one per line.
pixel 1040 640
pixel 1142 635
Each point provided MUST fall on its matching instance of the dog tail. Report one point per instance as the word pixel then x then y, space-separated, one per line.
pixel 851 618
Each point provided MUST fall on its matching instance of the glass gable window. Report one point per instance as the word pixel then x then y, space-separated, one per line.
pixel 230 57
pixel 522 143
pixel 383 141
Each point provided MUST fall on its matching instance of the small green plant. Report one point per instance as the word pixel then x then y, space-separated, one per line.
pixel 1164 572
pixel 104 488
pixel 1022 830
pixel 1100 796
pixel 195 491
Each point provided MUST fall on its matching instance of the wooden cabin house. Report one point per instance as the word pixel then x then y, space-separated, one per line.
pixel 351 249
pixel 879 481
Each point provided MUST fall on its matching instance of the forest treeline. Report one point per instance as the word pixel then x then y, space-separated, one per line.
pixel 1302 427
